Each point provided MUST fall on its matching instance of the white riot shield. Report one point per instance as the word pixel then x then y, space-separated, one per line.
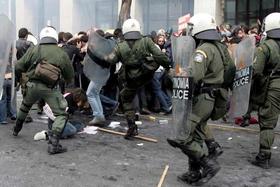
pixel 7 37
pixel 182 50
pixel 99 47
pixel 243 57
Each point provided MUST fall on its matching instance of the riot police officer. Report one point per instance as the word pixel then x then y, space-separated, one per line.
pixel 207 69
pixel 266 65
pixel 140 58
pixel 37 88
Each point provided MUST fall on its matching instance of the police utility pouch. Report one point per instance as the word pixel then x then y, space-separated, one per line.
pixel 47 73
pixel 143 70
pixel 142 73
pixel 259 89
pixel 44 71
pixel 220 106
pixel 149 66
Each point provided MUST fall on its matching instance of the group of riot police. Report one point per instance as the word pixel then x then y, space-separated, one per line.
pixel 210 69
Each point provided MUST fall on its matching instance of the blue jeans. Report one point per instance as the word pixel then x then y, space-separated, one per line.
pixel 93 94
pixel 164 99
pixel 7 108
pixel 108 104
pixel 71 128
pixel 98 77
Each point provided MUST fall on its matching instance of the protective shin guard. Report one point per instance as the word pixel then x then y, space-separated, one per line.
pixel 17 128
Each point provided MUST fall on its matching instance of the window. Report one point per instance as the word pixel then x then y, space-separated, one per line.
pixel 230 11
pixel 94 13
pixel 164 14
pixel 51 10
pixel 249 11
pixel 268 4
pixel 268 7
pixel 254 12
pixel 106 14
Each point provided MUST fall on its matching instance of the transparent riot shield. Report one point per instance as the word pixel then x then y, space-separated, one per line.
pixel 182 50
pixel 99 47
pixel 243 57
pixel 7 37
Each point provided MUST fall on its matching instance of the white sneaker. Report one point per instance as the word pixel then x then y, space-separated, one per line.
pixel 43 135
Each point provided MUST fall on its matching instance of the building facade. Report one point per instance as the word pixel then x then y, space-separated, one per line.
pixel 248 12
pixel 76 15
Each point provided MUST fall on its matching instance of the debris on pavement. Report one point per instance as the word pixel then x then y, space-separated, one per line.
pixel 141 137
pixel 90 130
pixel 138 122
pixel 163 176
pixel 114 124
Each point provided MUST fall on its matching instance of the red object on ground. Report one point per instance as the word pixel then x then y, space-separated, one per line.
pixel 239 120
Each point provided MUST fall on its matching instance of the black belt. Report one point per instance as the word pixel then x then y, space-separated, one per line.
pixel 210 89
pixel 8 78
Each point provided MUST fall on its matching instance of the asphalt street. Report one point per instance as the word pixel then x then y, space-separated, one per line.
pixel 105 160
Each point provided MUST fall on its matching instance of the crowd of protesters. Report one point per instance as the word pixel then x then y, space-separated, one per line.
pixel 103 98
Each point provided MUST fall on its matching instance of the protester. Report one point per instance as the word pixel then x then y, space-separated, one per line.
pixel 76 98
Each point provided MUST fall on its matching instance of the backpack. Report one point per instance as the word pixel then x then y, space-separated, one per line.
pixel 46 72
pixel 139 65
pixel 229 66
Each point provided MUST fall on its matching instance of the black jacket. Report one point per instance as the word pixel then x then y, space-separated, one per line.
pixel 22 46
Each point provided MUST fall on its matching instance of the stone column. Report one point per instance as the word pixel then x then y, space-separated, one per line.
pixel 212 7
pixel 66 15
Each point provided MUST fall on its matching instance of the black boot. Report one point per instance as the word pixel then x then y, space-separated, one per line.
pixel 18 127
pixel 214 149
pixel 262 160
pixel 132 130
pixel 54 146
pixel 193 175
pixel 209 168
pixel 246 120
